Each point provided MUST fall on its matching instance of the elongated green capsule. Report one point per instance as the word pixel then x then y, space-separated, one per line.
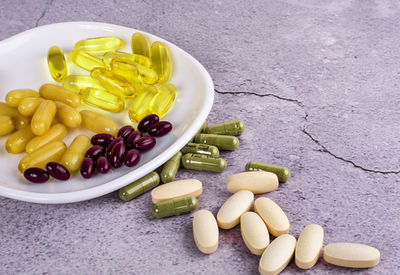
pixel 282 172
pixel 170 168
pixel 77 82
pixel 231 128
pixel 221 141
pixel 201 130
pixel 203 163
pixel 57 64
pixel 203 149
pixel 139 187
pixel 174 207
pixel 99 45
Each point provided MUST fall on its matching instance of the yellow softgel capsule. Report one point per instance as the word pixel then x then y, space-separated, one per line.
pixel 98 123
pixel 58 93
pixel 43 117
pixel 162 101
pixel 28 106
pixel 15 96
pixel 112 82
pixel 129 71
pixel 135 58
pixel 45 154
pixel 16 143
pixel 19 120
pixel 75 154
pixel 56 132
pixel 140 106
pixel 161 61
pixel 102 99
pixel 77 82
pixel 99 45
pixel 6 125
pixel 67 115
pixel 85 60
pixel 57 64
pixel 140 44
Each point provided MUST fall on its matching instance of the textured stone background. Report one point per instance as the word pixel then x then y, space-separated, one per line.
pixel 317 83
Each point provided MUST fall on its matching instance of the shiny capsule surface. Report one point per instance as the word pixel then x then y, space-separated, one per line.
pixel 57 171
pixel 111 146
pixel 135 58
pixel 87 169
pixel 58 93
pixel 283 173
pixel 170 168
pixel 85 60
pixel 132 157
pixel 140 106
pixel 161 61
pixel 134 136
pixel 99 45
pixel 56 132
pixel 98 123
pixel 112 83
pixel 203 163
pixel 36 175
pixel 144 144
pixel 75 154
pixel 102 99
pixel 162 101
pixel 28 106
pixel 14 97
pixel 139 187
pixel 17 141
pixel 129 71
pixel 6 125
pixel 95 152
pixel 140 44
pixel 76 83
pixel 67 115
pixel 57 65
pixel 43 117
pixel 102 139
pixel 117 155
pixel 103 165
pixel 221 141
pixel 202 149
pixel 230 128
pixel 19 120
pixel 160 129
pixel 125 131
pixel 174 207
pixel 147 121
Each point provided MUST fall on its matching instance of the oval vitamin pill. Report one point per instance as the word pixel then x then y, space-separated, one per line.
pixel 170 168
pixel 254 232
pixel 222 142
pixel 103 165
pixel 98 123
pixel 176 189
pixel 6 125
pixel 113 83
pixel 102 139
pixel 283 173
pixel 43 117
pixel 14 97
pixel 75 154
pixel 174 207
pixel 57 171
pixel 67 115
pixel 36 175
pixel 139 187
pixel 102 99
pixel 309 246
pixel 231 128
pixel 76 83
pixel 58 93
pixel 160 129
pixel 205 231
pixel 88 168
pixel 257 182
pixel 56 132
pixel 147 121
pixel 161 61
pixel 131 158
pixel 28 106
pixel 273 216
pixel 85 60
pixel 57 65
pixel 99 45
pixel 140 44
pixel 162 101
pixel 17 141
pixel 203 163
pixel 19 120
pixel 140 106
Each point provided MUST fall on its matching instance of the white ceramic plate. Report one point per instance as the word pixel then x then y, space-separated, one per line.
pixel 23 64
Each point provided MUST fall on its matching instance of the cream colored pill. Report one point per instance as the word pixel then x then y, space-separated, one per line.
pixel 354 255
pixel 229 214
pixel 273 216
pixel 309 246
pixel 177 189
pixel 205 231
pixel 277 255
pixel 254 232
pixel 257 182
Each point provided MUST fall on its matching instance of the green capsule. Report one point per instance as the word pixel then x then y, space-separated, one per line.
pixel 203 163
pixel 174 207
pixel 283 173
pixel 139 187
pixel 170 168
pixel 202 149
pixel 231 128
pixel 221 141
pixel 201 130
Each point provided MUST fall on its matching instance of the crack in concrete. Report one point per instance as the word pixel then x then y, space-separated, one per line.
pixel 47 7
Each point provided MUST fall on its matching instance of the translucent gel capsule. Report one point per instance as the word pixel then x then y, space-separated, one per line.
pixel 163 100
pixel 15 96
pixel 57 64
pixel 135 58
pixel 28 106
pixel 16 143
pixel 112 82
pixel 56 132
pixel 85 60
pixel 126 67
pixel 99 45
pixel 77 82
pixel 20 120
pixel 129 72
pixel 75 154
pixel 98 123
pixel 6 125
pixel 67 115
pixel 43 117
pixel 140 44
pixel 58 93
pixel 161 61
pixel 140 106
pixel 102 99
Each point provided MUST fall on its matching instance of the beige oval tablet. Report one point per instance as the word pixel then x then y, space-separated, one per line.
pixel 176 189
pixel 353 255
pixel 205 231
pixel 229 214
pixel 273 216
pixel 257 182
pixel 309 246
pixel 254 232
pixel 277 255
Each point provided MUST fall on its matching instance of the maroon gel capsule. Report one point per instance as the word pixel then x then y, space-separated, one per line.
pixel 103 165
pixel 95 152
pixel 57 171
pixel 135 135
pixel 132 157
pixel 117 155
pixel 111 146
pixel 87 168
pixel 160 129
pixel 144 144
pixel 147 121
pixel 125 131
pixel 36 175
pixel 102 139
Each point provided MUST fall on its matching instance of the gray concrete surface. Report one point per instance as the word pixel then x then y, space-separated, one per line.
pixel 317 83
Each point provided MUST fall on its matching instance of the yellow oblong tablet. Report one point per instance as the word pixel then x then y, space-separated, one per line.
pixel 254 232
pixel 56 132
pixel 98 123
pixel 68 115
pixel 273 216
pixel 309 246
pixel 6 125
pixel 28 106
pixel 277 255
pixel 16 142
pixel 354 255
pixel 205 231
pixel 75 154
pixel 229 214
pixel 15 96
pixel 58 93
pixel 19 120
pixel 257 182
pixel 43 117
pixel 176 189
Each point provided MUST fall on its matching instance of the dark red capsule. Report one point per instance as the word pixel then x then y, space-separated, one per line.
pixel 87 168
pixel 125 131
pixel 144 144
pixel 132 157
pixel 117 155
pixel 36 175
pixel 95 152
pixel 111 146
pixel 57 171
pixel 135 135
pixel 102 139
pixel 147 121
pixel 103 165
pixel 160 129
